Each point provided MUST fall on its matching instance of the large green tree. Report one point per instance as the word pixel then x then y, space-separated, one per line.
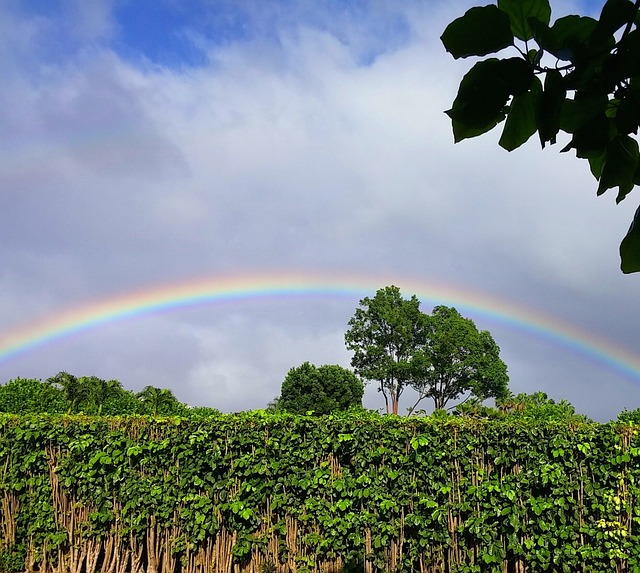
pixel 321 389
pixel 579 75
pixel 455 359
pixel 383 334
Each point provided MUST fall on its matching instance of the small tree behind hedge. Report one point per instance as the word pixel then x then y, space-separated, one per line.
pixel 322 389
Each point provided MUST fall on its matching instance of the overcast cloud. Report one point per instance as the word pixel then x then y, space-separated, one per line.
pixel 143 144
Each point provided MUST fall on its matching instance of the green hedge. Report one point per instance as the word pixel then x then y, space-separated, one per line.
pixel 278 492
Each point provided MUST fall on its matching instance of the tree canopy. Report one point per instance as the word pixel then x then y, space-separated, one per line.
pixel 322 390
pixel 384 333
pixel 591 88
pixel 30 396
pixel 441 356
pixel 65 393
pixel 455 358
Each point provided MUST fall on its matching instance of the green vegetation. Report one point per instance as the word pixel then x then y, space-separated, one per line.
pixel 527 485
pixel 591 89
pixel 536 407
pixel 442 356
pixel 384 334
pixel 455 358
pixel 630 416
pixel 65 393
pixel 321 390
pixel 280 492
pixel 29 396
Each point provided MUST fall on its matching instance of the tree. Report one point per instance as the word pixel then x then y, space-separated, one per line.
pixel 384 333
pixel 591 89
pixel 30 396
pixel 98 393
pixel 539 407
pixel 202 412
pixel 121 402
pixel 74 390
pixel 629 416
pixel 454 358
pixel 323 390
pixel 160 401
pixel 95 396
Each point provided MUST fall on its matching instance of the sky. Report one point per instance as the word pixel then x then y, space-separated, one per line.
pixel 196 195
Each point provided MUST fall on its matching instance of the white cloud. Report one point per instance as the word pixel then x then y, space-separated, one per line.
pixel 305 147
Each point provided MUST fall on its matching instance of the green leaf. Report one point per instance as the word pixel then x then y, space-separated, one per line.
pixel 520 11
pixel 482 30
pixel 596 163
pixel 620 166
pixel 521 120
pixel 484 92
pixel 575 113
pixel 630 247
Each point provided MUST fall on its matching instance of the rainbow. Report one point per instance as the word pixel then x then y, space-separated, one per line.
pixel 238 288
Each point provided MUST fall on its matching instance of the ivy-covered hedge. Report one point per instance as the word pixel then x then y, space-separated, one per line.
pixel 277 492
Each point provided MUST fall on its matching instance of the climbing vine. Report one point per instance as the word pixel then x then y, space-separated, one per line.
pixel 278 492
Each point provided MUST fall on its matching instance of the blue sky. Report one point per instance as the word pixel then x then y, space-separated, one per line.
pixel 143 144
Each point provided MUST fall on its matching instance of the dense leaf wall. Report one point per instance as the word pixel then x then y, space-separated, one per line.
pixel 261 492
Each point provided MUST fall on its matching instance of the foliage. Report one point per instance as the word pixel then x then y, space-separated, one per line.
pixel 160 401
pixel 474 408
pixel 455 358
pixel 442 356
pixel 629 416
pixel 259 491
pixel 539 407
pixel 536 407
pixel 384 333
pixel 323 390
pixel 591 88
pixel 90 395
pixel 93 395
pixel 27 395
pixel 202 412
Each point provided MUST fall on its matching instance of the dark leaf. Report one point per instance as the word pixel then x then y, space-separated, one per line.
pixel 462 131
pixel 549 107
pixel 517 75
pixel 628 114
pixel 575 113
pixel 481 31
pixel 596 163
pixel 521 121
pixel 484 92
pixel 591 138
pixel 542 34
pixel 620 166
pixel 572 35
pixel 614 15
pixel 520 11
pixel 624 62
pixel 630 247
pixel 567 39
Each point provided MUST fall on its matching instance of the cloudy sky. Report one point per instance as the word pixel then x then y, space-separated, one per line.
pixel 152 143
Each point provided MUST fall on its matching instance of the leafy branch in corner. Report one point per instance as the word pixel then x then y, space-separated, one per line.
pixel 579 75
